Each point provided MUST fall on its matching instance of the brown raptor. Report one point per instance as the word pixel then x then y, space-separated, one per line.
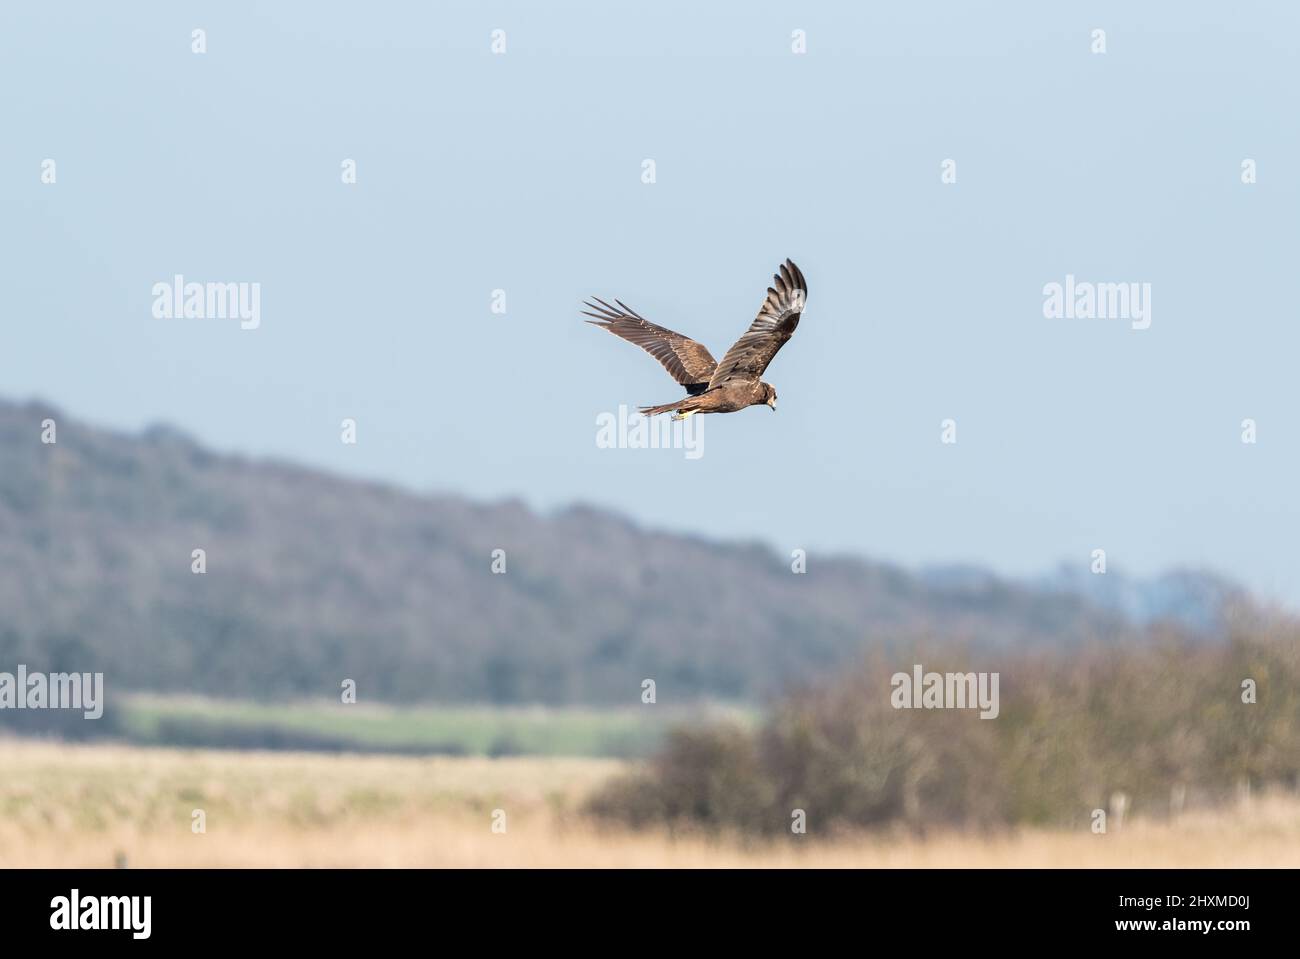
pixel 715 387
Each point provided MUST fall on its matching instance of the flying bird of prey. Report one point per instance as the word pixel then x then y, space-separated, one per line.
pixel 712 386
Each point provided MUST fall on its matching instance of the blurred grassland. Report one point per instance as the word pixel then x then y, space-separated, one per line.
pixel 447 730
pixel 84 805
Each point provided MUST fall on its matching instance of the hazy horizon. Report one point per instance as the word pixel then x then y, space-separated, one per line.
pixel 928 567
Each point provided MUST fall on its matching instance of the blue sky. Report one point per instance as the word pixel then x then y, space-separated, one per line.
pixel 522 172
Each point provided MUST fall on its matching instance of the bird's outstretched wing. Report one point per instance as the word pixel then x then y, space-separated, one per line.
pixel 689 362
pixel 776 322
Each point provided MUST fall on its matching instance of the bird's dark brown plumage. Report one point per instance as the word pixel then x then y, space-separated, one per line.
pixel 775 323
pixel 716 387
pixel 688 362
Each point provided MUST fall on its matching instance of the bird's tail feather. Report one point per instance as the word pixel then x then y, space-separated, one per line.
pixel 682 405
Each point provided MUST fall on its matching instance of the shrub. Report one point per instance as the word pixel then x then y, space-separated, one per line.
pixel 1073 728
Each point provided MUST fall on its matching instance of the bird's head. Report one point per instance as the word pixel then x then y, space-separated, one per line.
pixel 769 395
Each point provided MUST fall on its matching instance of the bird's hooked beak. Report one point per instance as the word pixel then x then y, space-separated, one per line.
pixel 772 404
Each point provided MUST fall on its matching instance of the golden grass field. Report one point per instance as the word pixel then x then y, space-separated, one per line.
pixel 86 806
